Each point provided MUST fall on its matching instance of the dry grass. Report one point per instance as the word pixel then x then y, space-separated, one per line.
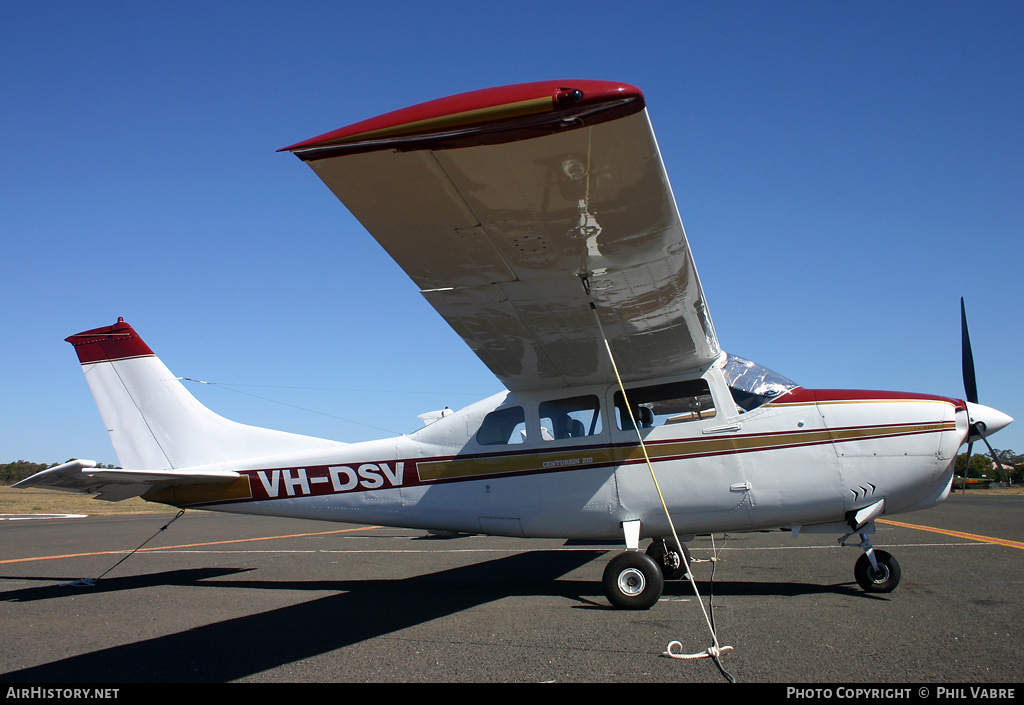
pixel 36 501
pixel 1016 489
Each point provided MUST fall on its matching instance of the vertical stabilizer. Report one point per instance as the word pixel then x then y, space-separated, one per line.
pixel 153 421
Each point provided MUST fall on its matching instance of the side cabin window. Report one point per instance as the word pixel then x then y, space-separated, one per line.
pixel 657 405
pixel 574 417
pixel 503 427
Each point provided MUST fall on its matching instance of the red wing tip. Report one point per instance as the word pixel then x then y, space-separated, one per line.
pixel 561 94
pixel 115 342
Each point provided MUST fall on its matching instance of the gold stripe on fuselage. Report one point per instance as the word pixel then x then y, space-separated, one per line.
pixel 598 456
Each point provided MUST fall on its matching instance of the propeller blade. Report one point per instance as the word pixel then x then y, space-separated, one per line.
pixel 967 357
pixel 967 467
pixel 978 427
pixel 992 453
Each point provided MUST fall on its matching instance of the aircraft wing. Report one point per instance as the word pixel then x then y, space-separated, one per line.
pixel 506 205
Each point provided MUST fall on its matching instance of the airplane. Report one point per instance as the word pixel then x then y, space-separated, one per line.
pixel 973 482
pixel 538 220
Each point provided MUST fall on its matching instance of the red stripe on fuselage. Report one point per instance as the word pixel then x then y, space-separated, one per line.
pixel 805 396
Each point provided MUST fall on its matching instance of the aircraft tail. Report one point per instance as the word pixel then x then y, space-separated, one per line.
pixel 153 421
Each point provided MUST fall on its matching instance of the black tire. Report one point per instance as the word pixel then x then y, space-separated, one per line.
pixel 658 550
pixel 885 579
pixel 633 581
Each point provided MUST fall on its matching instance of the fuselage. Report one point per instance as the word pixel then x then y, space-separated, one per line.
pixel 565 464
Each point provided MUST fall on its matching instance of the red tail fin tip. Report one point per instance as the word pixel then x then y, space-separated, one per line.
pixel 115 342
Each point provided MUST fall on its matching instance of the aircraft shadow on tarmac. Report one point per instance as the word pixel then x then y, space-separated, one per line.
pixel 236 648
pixel 66 588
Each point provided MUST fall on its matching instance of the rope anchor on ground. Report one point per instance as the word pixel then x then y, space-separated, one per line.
pixel 710 652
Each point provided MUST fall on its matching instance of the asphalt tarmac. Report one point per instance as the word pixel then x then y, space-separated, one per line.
pixel 217 598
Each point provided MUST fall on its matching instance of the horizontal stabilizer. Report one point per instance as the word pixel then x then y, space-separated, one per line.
pixel 113 485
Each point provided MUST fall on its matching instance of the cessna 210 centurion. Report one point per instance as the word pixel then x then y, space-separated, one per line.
pixel 539 222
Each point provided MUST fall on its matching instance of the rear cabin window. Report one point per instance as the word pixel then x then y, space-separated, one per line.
pixel 503 427
pixel 658 405
pixel 575 417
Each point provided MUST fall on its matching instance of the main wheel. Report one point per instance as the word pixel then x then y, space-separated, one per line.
pixel 633 581
pixel 885 579
pixel 672 568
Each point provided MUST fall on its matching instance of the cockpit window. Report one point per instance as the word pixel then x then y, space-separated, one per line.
pixel 752 385
pixel 501 427
pixel 660 404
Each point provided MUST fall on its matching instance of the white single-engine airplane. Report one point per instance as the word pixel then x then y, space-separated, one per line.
pixel 539 221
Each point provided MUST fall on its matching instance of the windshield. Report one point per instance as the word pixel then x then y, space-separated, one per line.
pixel 752 385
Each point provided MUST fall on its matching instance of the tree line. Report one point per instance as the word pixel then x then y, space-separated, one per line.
pixel 20 469
pixel 979 465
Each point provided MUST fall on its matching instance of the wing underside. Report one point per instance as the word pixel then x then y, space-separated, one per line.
pixel 511 225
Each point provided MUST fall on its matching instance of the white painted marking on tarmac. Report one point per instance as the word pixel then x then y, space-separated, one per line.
pixel 25 517
pixel 380 550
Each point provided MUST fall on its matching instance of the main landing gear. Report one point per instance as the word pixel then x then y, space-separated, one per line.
pixel 634 580
pixel 674 566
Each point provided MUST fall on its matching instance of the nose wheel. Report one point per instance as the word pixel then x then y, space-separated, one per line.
pixel 883 576
pixel 876 571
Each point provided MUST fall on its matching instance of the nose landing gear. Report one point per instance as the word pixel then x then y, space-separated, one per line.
pixel 876 571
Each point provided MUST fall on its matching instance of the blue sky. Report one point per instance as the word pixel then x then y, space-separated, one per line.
pixel 845 172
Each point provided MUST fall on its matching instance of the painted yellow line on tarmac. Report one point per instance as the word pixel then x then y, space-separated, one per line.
pixel 188 545
pixel 958 534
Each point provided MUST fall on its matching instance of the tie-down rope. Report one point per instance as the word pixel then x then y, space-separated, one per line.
pixel 91 582
pixel 715 650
